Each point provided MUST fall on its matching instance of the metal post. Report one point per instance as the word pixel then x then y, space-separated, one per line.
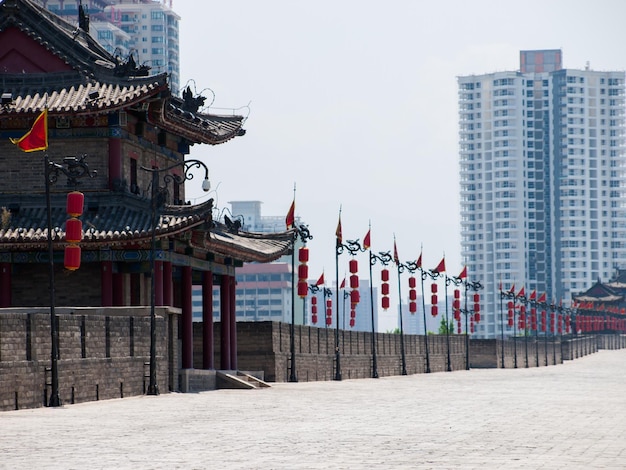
pixel 292 340
pixel 153 387
pixel 402 353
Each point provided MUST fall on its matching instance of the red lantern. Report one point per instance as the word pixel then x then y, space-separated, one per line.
pixel 354 266
pixel 434 310
pixel 433 288
pixel 314 318
pixel 412 307
pixel 384 288
pixel 384 275
pixel 303 289
pixel 477 317
pixel 351 322
pixel 73 230
pixel 303 254
pixel 354 281
pixel 355 297
pixel 385 303
pixel 75 203
pixel 303 272
pixel 329 320
pixel 433 299
pixel 352 313
pixel 457 294
pixel 314 309
pixel 72 257
pixel 313 300
pixel 329 305
pixel 412 295
pixel 412 282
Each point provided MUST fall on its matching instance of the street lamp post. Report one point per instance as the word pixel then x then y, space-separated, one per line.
pixel 158 199
pixel 410 266
pixel 474 286
pixel 300 232
pixel 73 168
pixel 353 247
pixel 456 281
pixel 384 258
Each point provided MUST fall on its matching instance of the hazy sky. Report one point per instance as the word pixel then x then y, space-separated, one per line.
pixel 356 103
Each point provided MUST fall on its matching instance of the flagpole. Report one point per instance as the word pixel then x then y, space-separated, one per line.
pixel 501 325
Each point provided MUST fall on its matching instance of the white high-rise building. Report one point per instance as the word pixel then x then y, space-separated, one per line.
pixel 542 169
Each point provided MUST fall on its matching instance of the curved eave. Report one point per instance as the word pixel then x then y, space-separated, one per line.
pixel 196 127
pixel 607 298
pixel 244 246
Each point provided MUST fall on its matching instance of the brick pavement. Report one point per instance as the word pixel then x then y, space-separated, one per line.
pixel 567 416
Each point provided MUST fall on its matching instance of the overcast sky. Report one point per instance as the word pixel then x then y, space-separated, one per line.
pixel 356 103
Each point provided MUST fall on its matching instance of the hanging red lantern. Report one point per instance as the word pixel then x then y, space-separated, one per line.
pixel 353 266
pixel 329 320
pixel 314 319
pixel 412 307
pixel 72 257
pixel 354 281
pixel 73 230
pixel 457 294
pixel 384 289
pixel 352 322
pixel 329 304
pixel 477 317
pixel 352 313
pixel 433 288
pixel 303 289
pixel 355 297
pixel 313 300
pixel 412 282
pixel 385 303
pixel 314 309
pixel 412 295
pixel 433 299
pixel 75 203
pixel 434 310
pixel 303 272
pixel 384 275
pixel 303 254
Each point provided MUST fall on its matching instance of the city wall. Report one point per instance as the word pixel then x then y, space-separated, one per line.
pixel 104 353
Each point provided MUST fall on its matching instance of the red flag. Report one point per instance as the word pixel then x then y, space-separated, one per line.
pixel 463 274
pixel 338 232
pixel 500 286
pixel 512 289
pixel 37 137
pixel 533 294
pixel 419 261
pixel 320 281
pixel 521 292
pixel 291 215
pixel 366 240
pixel 441 267
pixel 396 259
pixel 343 284
pixel 542 298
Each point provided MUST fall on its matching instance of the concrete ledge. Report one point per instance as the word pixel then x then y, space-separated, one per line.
pixel 197 380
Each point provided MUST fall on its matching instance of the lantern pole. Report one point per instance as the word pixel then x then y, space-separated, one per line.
pixel 302 233
pixel 384 258
pixel 433 275
pixel 158 199
pixel 353 247
pixel 74 169
pixel 410 266
pixel 456 281
pixel 524 301
pixel 513 296
pixel 473 286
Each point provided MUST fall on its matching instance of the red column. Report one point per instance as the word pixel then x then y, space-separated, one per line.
pixel 118 289
pixel 207 320
pixel 167 284
pixel 158 282
pixel 5 284
pixel 106 283
pixel 233 324
pixel 187 322
pixel 225 322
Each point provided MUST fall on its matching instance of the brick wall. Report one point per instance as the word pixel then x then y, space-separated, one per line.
pixel 102 354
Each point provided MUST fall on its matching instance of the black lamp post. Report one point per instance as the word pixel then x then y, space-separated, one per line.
pixel 513 296
pixel 384 258
pixel 352 247
pixel 410 266
pixel 502 295
pixel 433 275
pixel 473 286
pixel 73 168
pixel 521 297
pixel 456 281
pixel 158 199
pixel 300 232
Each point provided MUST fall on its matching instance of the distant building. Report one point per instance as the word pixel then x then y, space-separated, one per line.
pixel 542 170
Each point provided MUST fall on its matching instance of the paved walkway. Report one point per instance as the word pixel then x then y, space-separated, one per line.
pixel 567 416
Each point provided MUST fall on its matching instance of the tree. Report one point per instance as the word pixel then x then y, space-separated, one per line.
pixel 442 327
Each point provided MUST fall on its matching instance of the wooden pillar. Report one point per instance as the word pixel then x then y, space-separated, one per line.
pixel 207 320
pixel 118 289
pixel 115 159
pixel 5 285
pixel 233 323
pixel 187 320
pixel 106 283
pixel 167 284
pixel 225 322
pixel 158 282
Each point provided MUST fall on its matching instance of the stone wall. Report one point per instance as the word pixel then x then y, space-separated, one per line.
pixel 103 353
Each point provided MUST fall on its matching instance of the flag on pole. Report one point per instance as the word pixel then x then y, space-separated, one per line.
pixel 419 261
pixel 441 267
pixel 463 274
pixel 367 241
pixel 291 216
pixel 320 281
pixel 396 258
pixel 343 284
pixel 37 137
pixel 521 292
pixel 533 294
pixel 542 298
pixel 338 233
pixel 512 289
